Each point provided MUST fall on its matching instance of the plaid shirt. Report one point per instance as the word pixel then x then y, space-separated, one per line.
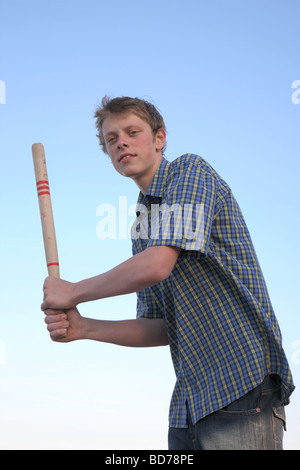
pixel 223 334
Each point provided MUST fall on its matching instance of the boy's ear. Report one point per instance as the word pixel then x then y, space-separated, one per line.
pixel 160 138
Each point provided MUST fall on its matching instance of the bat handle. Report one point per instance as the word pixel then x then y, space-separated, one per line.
pixel 53 270
pixel 43 191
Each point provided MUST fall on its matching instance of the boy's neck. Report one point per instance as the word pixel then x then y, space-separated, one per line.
pixel 144 181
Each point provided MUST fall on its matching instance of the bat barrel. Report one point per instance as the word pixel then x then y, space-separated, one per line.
pixel 43 191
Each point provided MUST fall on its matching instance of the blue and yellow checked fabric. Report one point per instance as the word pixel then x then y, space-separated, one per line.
pixel 224 337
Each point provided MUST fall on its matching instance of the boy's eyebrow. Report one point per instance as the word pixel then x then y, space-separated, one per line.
pixel 136 126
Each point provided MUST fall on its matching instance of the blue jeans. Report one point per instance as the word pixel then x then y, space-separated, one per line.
pixel 253 422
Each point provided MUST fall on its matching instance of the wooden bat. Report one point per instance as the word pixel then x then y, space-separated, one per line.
pixel 46 213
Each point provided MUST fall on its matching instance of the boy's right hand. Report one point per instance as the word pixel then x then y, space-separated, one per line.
pixel 63 325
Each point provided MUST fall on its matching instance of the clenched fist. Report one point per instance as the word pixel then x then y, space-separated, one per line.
pixel 64 326
pixel 58 294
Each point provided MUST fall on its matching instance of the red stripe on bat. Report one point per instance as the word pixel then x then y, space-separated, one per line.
pixel 43 192
pixel 53 264
pixel 42 187
pixel 42 182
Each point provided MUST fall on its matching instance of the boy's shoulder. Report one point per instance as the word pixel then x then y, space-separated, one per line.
pixel 190 161
pixel 199 174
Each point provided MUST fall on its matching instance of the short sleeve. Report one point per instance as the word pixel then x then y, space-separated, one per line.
pixel 184 217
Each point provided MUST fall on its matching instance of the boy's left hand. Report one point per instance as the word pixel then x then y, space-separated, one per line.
pixel 58 294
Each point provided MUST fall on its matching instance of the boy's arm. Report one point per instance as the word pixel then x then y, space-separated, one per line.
pixel 70 326
pixel 142 270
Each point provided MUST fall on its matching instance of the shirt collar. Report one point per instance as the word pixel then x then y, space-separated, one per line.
pixel 157 185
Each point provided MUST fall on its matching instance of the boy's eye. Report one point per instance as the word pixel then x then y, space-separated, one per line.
pixel 134 132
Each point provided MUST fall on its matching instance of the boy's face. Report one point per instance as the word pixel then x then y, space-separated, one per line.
pixel 134 151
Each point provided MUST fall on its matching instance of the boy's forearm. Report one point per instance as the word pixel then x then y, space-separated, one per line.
pixel 142 270
pixel 135 274
pixel 123 279
pixel 140 332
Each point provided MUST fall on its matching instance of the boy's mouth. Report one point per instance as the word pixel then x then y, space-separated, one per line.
pixel 125 157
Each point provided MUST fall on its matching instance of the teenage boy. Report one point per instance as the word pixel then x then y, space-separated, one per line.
pixel 199 289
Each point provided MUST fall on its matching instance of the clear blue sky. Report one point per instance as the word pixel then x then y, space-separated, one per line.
pixel 221 73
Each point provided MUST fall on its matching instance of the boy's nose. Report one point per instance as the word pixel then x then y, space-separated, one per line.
pixel 122 143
